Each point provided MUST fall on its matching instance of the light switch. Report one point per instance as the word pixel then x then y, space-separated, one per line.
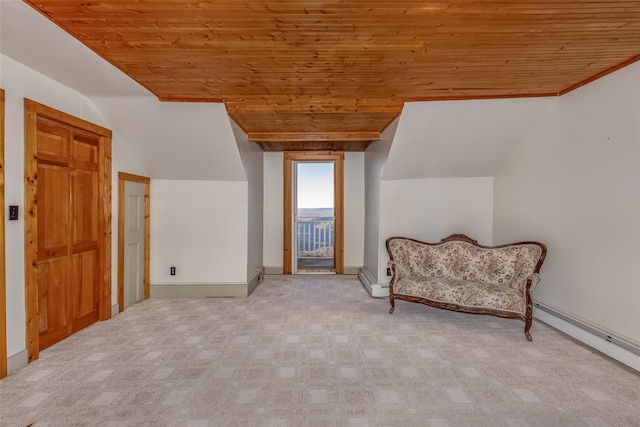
pixel 13 213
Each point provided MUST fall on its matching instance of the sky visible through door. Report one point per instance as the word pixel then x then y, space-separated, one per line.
pixel 315 185
pixel 315 232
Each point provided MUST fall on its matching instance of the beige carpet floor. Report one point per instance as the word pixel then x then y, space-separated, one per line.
pixel 316 351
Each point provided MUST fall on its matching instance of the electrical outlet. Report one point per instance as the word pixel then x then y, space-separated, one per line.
pixel 172 271
pixel 388 271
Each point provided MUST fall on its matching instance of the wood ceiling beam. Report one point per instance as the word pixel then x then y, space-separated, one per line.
pixel 313 136
pixel 314 146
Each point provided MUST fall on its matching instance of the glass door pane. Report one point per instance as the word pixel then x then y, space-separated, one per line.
pixel 314 217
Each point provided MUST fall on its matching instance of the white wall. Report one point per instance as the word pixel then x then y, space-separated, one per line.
pixel 375 159
pixel 574 184
pixel 22 82
pixel 199 227
pixel 433 208
pixel 353 209
pixel 459 138
pixel 273 209
pixel 177 140
pixel 253 161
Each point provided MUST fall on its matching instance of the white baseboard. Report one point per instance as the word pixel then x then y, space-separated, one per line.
pixel 273 271
pixel 115 309
pixel 199 290
pixel 257 278
pixel 277 271
pixel 375 289
pixel 583 335
pixel 17 361
pixel 207 290
pixel 351 270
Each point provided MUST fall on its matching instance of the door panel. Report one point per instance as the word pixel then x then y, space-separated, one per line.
pixel 53 141
pixel 53 316
pixel 84 223
pixel 84 296
pixel 134 227
pixel 53 250
pixel 132 270
pixel 53 225
pixel 85 206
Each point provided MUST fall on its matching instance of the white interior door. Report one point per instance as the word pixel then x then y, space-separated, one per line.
pixel 133 242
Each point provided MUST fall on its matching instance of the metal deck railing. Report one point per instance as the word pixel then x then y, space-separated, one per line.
pixel 315 238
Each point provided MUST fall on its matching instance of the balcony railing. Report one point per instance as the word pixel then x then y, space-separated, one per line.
pixel 315 238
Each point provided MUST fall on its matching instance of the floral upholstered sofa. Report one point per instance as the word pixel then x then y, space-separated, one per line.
pixel 459 274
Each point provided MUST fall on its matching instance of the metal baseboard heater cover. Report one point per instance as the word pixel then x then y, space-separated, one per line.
pixel 591 329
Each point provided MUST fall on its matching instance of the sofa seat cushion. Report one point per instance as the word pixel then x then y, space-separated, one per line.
pixel 462 293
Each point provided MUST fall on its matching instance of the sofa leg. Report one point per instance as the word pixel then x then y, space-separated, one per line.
pixel 393 305
pixel 527 327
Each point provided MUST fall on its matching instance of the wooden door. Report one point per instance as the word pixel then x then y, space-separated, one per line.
pixel 290 157
pixel 84 238
pixel 53 233
pixel 67 224
pixel 67 231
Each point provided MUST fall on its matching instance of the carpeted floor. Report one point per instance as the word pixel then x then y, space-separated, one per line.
pixel 316 351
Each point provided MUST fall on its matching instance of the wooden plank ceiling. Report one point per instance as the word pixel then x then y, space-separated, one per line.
pixel 309 74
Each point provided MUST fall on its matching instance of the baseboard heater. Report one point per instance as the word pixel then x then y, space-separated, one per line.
pixel 620 342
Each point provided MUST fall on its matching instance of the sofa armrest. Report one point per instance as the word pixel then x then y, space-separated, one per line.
pixel 534 278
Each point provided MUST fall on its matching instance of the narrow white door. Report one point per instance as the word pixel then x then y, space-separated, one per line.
pixel 133 242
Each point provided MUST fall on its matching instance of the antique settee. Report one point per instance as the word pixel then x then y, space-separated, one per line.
pixel 459 274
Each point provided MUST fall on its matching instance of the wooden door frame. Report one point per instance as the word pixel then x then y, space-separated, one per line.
pixel 338 203
pixel 33 111
pixel 3 279
pixel 122 177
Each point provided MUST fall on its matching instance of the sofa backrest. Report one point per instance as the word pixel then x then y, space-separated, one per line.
pixel 463 260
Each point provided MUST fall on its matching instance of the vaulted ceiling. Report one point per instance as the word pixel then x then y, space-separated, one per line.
pixel 333 74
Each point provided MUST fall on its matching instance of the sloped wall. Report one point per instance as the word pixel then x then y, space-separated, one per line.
pixel 459 138
pixel 574 184
pixel 176 140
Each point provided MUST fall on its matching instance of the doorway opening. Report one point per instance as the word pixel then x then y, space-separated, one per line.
pixel 313 213
pixel 133 239
pixel 314 217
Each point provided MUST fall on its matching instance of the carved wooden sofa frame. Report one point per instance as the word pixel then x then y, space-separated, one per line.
pixel 525 313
